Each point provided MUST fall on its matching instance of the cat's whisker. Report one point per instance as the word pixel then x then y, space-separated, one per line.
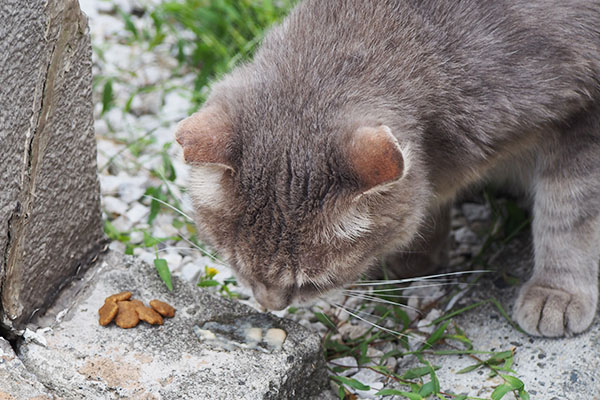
pixel 174 248
pixel 417 279
pixel 406 288
pixel 171 207
pixel 396 296
pixel 204 252
pixel 383 301
pixel 374 324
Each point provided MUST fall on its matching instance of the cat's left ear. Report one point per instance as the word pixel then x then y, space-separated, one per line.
pixel 206 138
pixel 375 157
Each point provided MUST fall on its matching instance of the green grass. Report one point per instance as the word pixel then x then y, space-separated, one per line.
pixel 208 38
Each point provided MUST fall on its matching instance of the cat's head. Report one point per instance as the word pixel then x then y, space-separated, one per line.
pixel 298 206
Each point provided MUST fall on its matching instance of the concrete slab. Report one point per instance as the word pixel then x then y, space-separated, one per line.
pixel 77 358
pixel 552 369
pixel 16 383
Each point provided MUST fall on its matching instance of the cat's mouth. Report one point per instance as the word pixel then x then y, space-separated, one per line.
pixel 273 298
pixel 277 298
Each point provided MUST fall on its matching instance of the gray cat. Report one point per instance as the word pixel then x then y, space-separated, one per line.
pixel 358 122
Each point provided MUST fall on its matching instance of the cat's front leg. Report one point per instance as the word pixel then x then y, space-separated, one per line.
pixel 561 296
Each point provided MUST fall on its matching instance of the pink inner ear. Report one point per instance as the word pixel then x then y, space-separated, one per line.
pixel 205 137
pixel 375 157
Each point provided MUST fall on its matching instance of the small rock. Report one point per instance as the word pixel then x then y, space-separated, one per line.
pixel 136 237
pixel 117 247
pixel 458 222
pixel 476 212
pixel 349 362
pixel 374 353
pixel 109 184
pixel 176 106
pixel 190 271
pixel 163 226
pixel 137 212
pixel 424 325
pixel 114 206
pixel 122 224
pixel 144 255
pixel 371 394
pixel 353 331
pixel 37 336
pixel 465 235
pixel 146 103
pixel 368 376
pixel 130 192
pixel 173 260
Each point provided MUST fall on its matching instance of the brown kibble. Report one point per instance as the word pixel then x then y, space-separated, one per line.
pixel 146 313
pixel 137 303
pixel 118 297
pixel 108 312
pixel 127 316
pixel 163 308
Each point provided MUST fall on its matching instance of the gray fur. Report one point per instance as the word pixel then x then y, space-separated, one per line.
pixel 469 89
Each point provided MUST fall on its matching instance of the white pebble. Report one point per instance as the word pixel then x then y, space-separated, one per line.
pixel 130 192
pixel 371 394
pixel 466 235
pixel 173 260
pixel 349 362
pixel 353 331
pixel 476 212
pixel 109 184
pixel 114 205
pixel 137 212
pixel 122 224
pixel 189 272
pixel 136 237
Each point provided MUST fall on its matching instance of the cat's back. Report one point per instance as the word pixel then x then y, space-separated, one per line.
pixel 516 41
pixel 525 58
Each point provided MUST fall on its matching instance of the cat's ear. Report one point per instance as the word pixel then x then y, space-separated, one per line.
pixel 206 138
pixel 375 157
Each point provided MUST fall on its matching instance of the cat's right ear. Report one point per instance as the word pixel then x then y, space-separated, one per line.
pixel 206 138
pixel 375 157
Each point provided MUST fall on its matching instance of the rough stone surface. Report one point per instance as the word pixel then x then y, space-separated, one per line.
pixel 50 222
pixel 16 383
pixel 78 358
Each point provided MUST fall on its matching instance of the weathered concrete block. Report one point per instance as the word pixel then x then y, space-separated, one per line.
pixel 81 359
pixel 50 220
pixel 561 368
pixel 16 383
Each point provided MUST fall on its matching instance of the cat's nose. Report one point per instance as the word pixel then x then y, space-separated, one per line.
pixel 272 298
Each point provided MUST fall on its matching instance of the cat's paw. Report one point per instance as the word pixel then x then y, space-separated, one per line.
pixel 545 311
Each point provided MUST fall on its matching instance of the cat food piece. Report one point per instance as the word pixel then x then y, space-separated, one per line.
pixel 118 297
pixel 127 316
pixel 146 313
pixel 162 308
pixel 108 312
pixel 137 303
pixel 275 337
